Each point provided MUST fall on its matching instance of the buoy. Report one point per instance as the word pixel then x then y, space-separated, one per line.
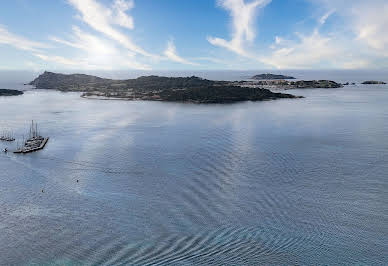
pixel 42 191
pixel 77 180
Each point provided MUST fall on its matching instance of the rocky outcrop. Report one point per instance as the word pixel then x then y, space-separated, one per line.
pixel 5 92
pixel 373 82
pixel 324 84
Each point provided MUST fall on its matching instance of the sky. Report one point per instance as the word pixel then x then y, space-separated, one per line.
pixel 193 34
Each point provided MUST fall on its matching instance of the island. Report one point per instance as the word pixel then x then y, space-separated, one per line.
pixel 269 76
pixel 155 88
pixel 6 92
pixel 373 82
pixel 288 85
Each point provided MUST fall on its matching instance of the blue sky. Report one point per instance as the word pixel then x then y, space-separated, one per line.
pixel 193 34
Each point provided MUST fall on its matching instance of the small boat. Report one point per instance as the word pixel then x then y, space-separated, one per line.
pixel 5 150
pixel 7 136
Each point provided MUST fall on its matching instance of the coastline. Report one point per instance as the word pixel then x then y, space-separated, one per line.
pixel 104 98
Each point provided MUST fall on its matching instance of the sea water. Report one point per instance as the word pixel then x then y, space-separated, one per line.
pixel 291 181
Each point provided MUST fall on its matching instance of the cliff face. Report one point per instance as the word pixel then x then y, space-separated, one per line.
pixel 183 89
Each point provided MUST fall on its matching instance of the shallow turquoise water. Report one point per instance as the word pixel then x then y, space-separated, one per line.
pixel 300 181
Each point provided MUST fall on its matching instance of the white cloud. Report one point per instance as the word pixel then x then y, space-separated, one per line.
pixel 121 18
pixel 100 53
pixel 368 20
pixel 87 42
pixel 308 51
pixel 278 40
pixel 317 51
pixel 19 42
pixel 323 19
pixel 116 51
pixel 103 19
pixel 243 16
pixel 371 25
pixel 36 48
pixel 171 54
pixel 360 40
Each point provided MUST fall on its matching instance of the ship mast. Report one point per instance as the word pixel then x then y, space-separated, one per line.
pixel 30 133
pixel 32 130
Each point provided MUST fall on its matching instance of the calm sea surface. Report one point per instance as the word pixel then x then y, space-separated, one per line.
pixel 293 181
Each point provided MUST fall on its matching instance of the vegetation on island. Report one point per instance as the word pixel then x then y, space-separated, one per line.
pixel 6 92
pixel 155 88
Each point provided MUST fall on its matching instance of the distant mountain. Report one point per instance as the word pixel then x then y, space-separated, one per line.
pixel 5 92
pixel 155 88
pixel 270 77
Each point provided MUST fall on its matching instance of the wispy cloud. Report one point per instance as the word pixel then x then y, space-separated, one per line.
pixel 20 42
pixel 243 16
pixel 171 54
pixel 114 50
pixel 335 48
pixel 317 50
pixel 103 19
pixel 356 37
pixel 100 53
pixel 121 18
pixel 371 25
pixel 307 51
pixel 37 48
pixel 368 20
pixel 104 48
pixel 87 42
pixel 322 20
